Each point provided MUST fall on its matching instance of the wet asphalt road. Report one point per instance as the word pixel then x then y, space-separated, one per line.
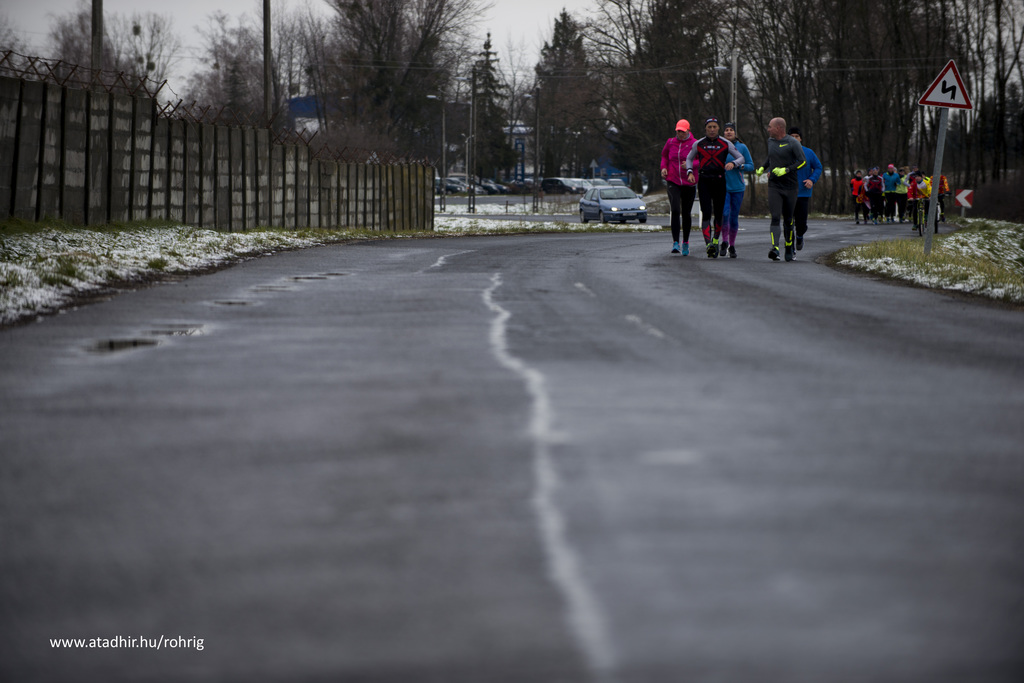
pixel 547 458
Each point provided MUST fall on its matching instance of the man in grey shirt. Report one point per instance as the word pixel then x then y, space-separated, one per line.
pixel 785 156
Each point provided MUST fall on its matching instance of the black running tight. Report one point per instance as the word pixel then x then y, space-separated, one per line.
pixel 680 201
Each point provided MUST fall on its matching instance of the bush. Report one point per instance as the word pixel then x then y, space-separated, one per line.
pixel 1001 200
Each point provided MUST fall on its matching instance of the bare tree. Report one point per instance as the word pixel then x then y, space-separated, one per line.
pixel 656 59
pixel 232 65
pixel 389 55
pixel 9 38
pixel 143 45
pixel 70 38
pixel 232 71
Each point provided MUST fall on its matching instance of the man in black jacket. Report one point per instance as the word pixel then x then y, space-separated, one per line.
pixel 785 156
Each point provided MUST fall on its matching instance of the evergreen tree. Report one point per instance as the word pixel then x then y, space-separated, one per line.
pixel 571 120
pixel 494 150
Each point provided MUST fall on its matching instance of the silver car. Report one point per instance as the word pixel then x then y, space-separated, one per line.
pixel 612 204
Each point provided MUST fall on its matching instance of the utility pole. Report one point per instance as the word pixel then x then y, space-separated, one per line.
pixel 735 69
pixel 268 81
pixel 485 64
pixel 471 163
pixel 536 149
pixel 96 56
pixel 444 151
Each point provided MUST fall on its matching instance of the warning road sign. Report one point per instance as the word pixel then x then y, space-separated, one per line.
pixel 965 198
pixel 947 90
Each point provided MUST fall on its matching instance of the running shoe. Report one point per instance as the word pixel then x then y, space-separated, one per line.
pixel 686 248
pixel 799 243
pixel 732 251
pixel 790 253
pixel 713 250
pixel 675 247
pixel 773 254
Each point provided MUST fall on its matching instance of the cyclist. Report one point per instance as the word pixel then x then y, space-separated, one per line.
pixel 681 191
pixel 943 193
pixel 785 158
pixel 919 191
pixel 713 155
pixel 735 186
pixel 806 177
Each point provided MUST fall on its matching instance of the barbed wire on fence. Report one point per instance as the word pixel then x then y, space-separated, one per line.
pixel 65 74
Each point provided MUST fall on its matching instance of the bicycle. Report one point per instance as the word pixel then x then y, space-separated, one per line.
pixel 920 216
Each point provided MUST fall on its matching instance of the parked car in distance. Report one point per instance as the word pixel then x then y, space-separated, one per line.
pixel 612 204
pixel 516 187
pixel 560 186
pixel 493 187
pixel 598 182
pixel 454 185
pixel 617 182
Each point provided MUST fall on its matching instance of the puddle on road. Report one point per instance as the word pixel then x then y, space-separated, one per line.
pixel 177 330
pixel 271 288
pixel 115 345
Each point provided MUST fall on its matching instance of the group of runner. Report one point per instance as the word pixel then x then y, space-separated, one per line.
pixel 896 195
pixel 714 166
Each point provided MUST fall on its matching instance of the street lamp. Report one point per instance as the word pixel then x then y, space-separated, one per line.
pixel 471 150
pixel 679 97
pixel 536 148
pixel 469 180
pixel 444 152
pixel 732 89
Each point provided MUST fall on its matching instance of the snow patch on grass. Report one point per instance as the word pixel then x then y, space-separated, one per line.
pixel 986 258
pixel 42 271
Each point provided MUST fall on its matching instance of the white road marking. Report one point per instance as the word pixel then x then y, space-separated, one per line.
pixel 586 290
pixel 644 327
pixel 584 613
pixel 444 259
pixel 679 456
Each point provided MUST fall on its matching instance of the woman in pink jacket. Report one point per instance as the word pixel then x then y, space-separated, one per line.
pixel 681 191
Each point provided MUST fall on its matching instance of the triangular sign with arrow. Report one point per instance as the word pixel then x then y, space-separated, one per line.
pixel 947 90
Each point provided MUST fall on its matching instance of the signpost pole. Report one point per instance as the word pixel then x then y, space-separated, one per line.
pixel 933 207
pixel 943 93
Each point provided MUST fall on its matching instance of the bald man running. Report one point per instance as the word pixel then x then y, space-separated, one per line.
pixel 785 156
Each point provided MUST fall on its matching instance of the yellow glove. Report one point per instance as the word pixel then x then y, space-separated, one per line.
pixel 759 171
pixel 779 172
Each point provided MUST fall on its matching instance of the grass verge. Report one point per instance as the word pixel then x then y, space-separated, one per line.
pixel 985 258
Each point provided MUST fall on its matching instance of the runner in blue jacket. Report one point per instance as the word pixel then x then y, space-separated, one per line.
pixel 806 176
pixel 735 187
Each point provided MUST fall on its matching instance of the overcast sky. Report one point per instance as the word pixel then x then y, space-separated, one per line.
pixel 525 23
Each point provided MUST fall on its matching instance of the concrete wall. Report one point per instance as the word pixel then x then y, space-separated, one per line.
pixel 91 158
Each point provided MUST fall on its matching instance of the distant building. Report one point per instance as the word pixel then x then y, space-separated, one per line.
pixel 304 113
